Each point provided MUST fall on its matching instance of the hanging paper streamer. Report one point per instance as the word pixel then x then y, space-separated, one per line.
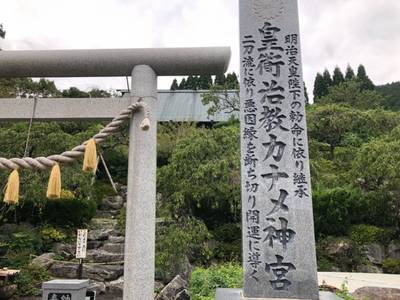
pixel 11 195
pixel 54 187
pixel 90 159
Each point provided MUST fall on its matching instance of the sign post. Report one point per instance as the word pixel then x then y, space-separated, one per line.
pixel 81 245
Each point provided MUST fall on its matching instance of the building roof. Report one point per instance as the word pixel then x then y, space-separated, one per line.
pixel 186 106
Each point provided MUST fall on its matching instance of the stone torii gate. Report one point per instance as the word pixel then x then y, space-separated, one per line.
pixel 144 65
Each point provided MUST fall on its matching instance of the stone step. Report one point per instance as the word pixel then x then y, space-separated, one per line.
pixel 102 256
pixel 114 247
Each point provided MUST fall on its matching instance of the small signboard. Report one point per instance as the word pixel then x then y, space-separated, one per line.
pixel 81 243
pixel 59 296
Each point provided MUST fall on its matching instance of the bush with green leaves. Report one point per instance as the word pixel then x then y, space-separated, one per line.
pixel 30 279
pixel 368 234
pixel 178 241
pixel 204 282
pixel 202 177
pixel 391 266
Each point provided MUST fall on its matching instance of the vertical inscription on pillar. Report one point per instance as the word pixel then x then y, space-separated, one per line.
pixel 278 233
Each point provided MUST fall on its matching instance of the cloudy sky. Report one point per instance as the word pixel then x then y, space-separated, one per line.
pixel 334 32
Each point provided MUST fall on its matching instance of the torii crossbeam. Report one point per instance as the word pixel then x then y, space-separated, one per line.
pixel 144 65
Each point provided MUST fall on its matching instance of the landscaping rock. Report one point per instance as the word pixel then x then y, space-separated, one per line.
pixel 114 247
pixel 100 234
pixel 8 291
pixel 61 269
pixel 66 251
pixel 116 239
pixel 369 269
pixel 339 247
pixel 376 293
pixel 102 256
pixel 375 253
pixel 115 287
pixel 394 250
pixel 103 272
pixel 94 244
pixel 98 287
pixel 173 289
pixel 45 260
pixel 112 203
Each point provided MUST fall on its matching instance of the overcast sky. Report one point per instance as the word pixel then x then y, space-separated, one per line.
pixel 334 32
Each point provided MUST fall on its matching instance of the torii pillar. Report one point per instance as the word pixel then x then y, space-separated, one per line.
pixel 144 65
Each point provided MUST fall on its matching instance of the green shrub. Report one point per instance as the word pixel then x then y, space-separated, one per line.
pixel 344 292
pixel 368 234
pixel 336 209
pixel 204 282
pixel 29 280
pixel 175 242
pixel 69 212
pixel 228 232
pixel 228 251
pixel 101 190
pixel 391 266
pixel 50 236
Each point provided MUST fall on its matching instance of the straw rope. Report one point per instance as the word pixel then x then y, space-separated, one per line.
pixel 44 163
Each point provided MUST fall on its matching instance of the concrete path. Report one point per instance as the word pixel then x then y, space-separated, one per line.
pixel 358 280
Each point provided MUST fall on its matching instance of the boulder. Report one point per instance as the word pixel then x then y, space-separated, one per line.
pixel 369 269
pixel 8 291
pixel 99 234
pixel 394 250
pixel 115 287
pixel 183 295
pixel 338 247
pixel 97 286
pixel 66 251
pixel 116 239
pixel 173 289
pixel 62 269
pixel 103 272
pixel 375 253
pixel 45 260
pixel 112 203
pixel 94 245
pixel 376 293
pixel 114 247
pixel 102 256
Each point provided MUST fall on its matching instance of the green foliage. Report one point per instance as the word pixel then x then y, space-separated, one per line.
pixel 177 241
pixel 217 99
pixel 204 282
pixel 391 266
pixel 362 77
pixel 344 292
pixel 338 77
pixel 336 209
pixel 368 234
pixel 228 238
pixel 51 235
pixel 353 93
pixel 29 280
pixel 202 178
pixel 391 94
pixel 69 213
pixel 350 75
pixel 101 190
pixel 122 219
pixel 320 87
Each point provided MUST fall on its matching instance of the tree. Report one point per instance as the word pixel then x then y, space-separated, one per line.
pixel 182 84
pixel 74 92
pixel 306 94
pixel 351 92
pixel 174 85
pixel 232 82
pixel 208 187
pixel 98 93
pixel 320 87
pixel 362 77
pixel 220 80
pixel 349 73
pixel 219 100
pixel 2 32
pixel 327 78
pixel 204 82
pixel 329 124
pixel 338 77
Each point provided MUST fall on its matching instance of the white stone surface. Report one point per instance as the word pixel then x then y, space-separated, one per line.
pixel 141 196
pixel 278 232
pixel 355 281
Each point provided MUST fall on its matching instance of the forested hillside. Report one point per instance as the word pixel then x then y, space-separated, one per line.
pixel 355 163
